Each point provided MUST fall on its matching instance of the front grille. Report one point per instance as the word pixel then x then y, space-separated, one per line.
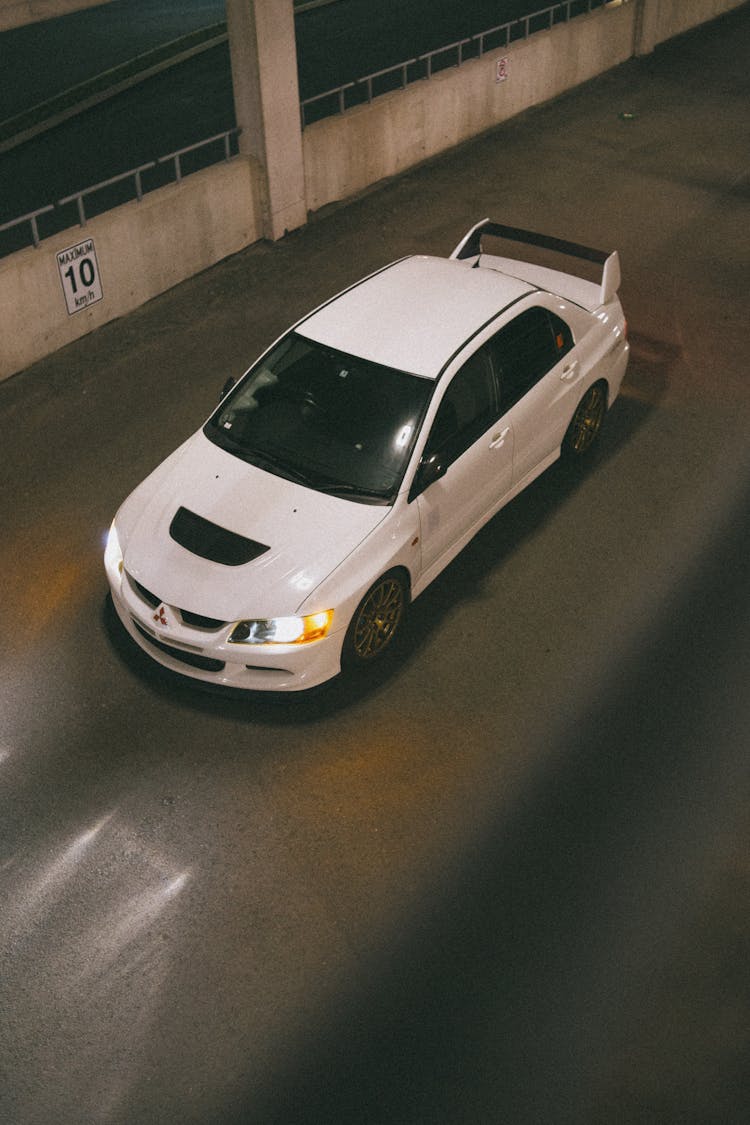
pixel 147 596
pixel 198 620
pixel 205 663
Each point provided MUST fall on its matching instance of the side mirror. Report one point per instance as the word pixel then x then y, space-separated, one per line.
pixel 432 468
pixel 226 388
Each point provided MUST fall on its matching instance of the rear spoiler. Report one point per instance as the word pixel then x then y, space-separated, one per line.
pixel 470 246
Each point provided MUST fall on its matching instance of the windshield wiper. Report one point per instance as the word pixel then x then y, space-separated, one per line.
pixel 352 490
pixel 275 464
pixel 310 479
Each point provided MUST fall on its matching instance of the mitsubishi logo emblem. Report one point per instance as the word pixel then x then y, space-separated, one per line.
pixel 160 617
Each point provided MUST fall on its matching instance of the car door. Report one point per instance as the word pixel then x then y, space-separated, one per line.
pixel 538 374
pixel 468 460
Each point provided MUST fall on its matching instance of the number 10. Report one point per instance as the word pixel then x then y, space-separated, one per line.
pixel 86 273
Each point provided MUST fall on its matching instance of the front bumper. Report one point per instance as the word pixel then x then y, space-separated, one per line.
pixel 205 654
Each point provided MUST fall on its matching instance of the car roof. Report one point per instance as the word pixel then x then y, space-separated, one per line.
pixel 414 314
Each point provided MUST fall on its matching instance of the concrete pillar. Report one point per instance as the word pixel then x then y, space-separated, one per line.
pixel 646 27
pixel 266 98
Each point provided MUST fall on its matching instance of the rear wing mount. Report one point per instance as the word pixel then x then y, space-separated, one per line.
pixel 470 246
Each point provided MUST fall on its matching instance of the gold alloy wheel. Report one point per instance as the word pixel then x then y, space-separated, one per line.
pixel 587 420
pixel 377 618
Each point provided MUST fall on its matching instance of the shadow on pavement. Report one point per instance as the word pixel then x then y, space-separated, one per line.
pixel 519 993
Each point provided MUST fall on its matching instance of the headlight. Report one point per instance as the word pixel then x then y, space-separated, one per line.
pixel 283 630
pixel 113 554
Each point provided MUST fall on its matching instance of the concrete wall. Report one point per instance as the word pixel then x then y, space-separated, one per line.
pixel 345 154
pixel 142 250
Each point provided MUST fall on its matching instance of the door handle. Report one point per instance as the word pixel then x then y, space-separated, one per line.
pixel 568 372
pixel 499 439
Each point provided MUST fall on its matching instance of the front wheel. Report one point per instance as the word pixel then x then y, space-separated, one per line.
pixel 586 422
pixel 376 621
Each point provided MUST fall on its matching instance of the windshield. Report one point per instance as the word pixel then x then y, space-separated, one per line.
pixel 324 419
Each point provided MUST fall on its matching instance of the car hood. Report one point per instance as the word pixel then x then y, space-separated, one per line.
pixel 306 532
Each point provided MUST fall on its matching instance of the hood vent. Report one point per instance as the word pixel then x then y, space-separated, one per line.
pixel 212 542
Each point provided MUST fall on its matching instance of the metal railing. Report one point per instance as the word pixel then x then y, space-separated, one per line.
pixel 78 196
pixel 177 156
pixel 134 174
pixel 361 90
pixel 31 217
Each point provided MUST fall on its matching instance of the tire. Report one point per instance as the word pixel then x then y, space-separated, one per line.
pixel 586 422
pixel 376 621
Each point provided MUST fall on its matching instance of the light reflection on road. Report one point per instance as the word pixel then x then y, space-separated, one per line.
pixel 41 892
pixel 109 901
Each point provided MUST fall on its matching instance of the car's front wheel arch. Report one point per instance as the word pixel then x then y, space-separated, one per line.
pixel 377 619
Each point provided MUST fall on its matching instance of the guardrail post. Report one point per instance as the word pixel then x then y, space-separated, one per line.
pixel 266 99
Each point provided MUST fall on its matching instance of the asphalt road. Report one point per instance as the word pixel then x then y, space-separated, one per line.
pixel 44 58
pixel 168 112
pixel 505 880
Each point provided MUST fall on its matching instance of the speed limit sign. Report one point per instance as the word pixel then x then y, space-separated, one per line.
pixel 79 274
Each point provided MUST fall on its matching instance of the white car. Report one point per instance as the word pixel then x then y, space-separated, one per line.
pixel 349 465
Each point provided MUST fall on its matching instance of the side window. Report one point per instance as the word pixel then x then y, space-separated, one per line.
pixel 468 409
pixel 525 350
